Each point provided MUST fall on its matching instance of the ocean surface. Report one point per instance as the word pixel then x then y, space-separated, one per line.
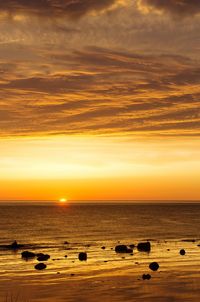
pixel 63 231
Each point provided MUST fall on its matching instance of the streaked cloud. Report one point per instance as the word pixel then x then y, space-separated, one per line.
pixel 55 8
pixel 101 91
pixel 175 7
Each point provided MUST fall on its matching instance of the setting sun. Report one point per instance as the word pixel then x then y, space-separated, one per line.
pixel 62 200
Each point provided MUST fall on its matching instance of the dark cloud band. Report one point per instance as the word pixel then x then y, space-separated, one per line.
pixel 71 8
pixel 177 7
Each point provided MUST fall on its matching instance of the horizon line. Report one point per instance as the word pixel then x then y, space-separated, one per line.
pixel 101 200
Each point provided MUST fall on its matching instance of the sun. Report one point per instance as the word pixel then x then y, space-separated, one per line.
pixel 63 200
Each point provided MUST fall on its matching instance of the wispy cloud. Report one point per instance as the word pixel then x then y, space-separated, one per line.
pixel 55 8
pixel 175 7
pixel 103 91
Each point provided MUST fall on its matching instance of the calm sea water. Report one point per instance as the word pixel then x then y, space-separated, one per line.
pixel 106 275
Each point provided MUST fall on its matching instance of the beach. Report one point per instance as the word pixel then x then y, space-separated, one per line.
pixel 65 231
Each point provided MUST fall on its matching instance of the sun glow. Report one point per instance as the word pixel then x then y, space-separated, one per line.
pixel 62 200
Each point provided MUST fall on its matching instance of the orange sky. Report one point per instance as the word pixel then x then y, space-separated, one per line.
pixel 99 100
pixel 99 168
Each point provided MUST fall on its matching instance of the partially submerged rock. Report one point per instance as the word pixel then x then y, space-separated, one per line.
pixel 82 256
pixel 182 252
pixel 154 266
pixel 15 245
pixel 42 257
pixel 28 255
pixel 40 266
pixel 123 249
pixel 144 246
pixel 146 276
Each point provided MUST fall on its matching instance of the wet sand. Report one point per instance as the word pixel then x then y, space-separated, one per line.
pixel 112 277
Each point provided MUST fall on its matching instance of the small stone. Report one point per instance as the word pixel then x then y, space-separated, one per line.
pixel 82 256
pixel 123 249
pixel 40 266
pixel 154 266
pixel 103 247
pixel 144 246
pixel 146 276
pixel 28 255
pixel 182 252
pixel 43 257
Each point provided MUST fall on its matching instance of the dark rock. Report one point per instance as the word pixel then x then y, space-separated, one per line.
pixel 146 276
pixel 40 266
pixel 144 246
pixel 15 245
pixel 28 255
pixel 123 249
pixel 154 266
pixel 132 246
pixel 66 242
pixel 66 256
pixel 189 240
pixel 82 256
pixel 42 257
pixel 182 252
pixel 103 247
pixel 72 275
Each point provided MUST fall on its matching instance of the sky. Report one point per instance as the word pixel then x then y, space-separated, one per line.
pixel 99 100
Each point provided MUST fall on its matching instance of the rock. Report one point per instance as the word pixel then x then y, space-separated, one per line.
pixel 40 266
pixel 28 255
pixel 82 256
pixel 146 276
pixel 15 245
pixel 123 249
pixel 144 246
pixel 182 252
pixel 132 246
pixel 103 247
pixel 42 257
pixel 66 242
pixel 154 266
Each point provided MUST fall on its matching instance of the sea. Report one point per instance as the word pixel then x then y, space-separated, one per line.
pixel 65 230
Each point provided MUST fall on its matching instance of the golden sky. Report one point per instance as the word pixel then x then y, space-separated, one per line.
pixel 100 99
